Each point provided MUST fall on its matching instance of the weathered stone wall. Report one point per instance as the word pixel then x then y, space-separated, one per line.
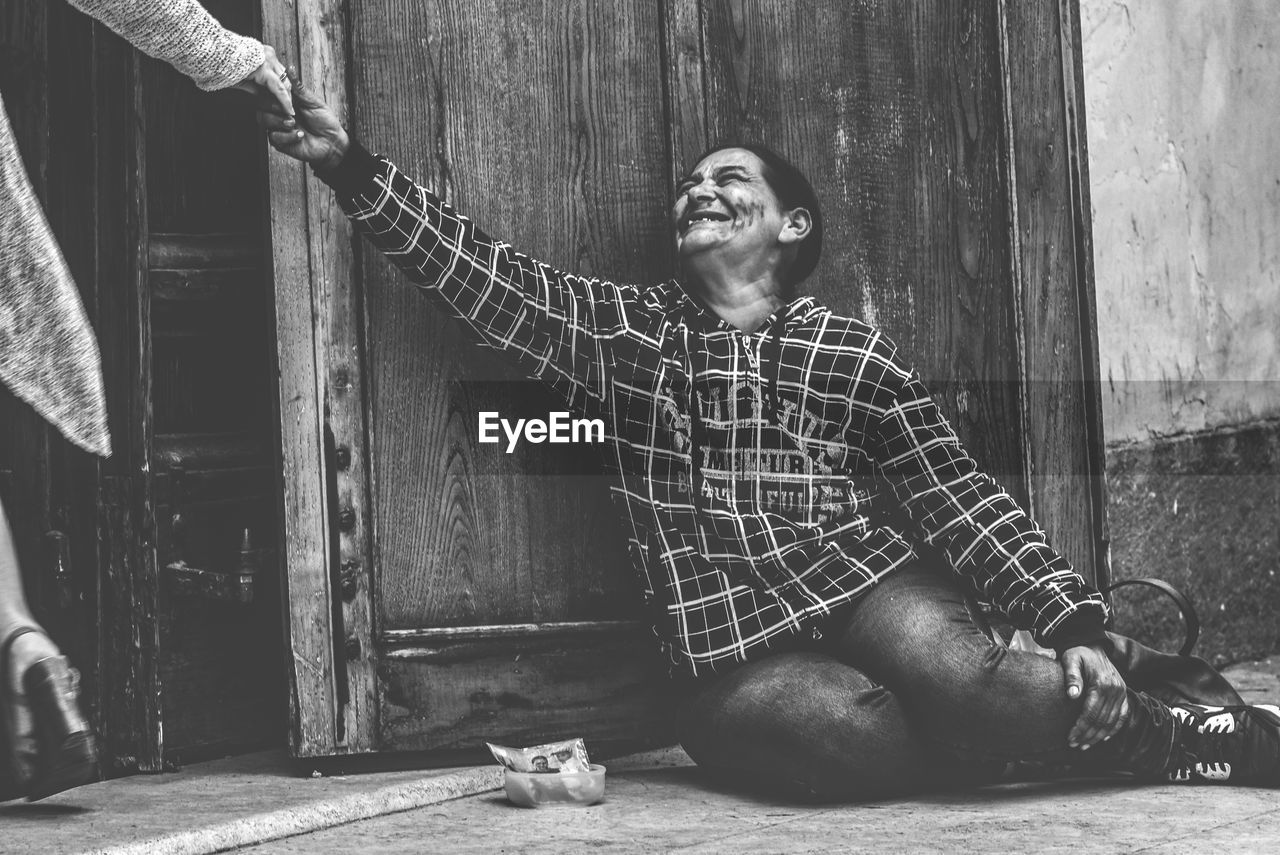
pixel 1184 128
pixel 1183 132
pixel 1202 512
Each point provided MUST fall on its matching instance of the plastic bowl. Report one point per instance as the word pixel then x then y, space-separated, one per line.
pixel 539 789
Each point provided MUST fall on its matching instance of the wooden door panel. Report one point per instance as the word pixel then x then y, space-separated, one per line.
pixel 522 686
pixel 466 534
pixel 1054 270
pixel 454 93
pixel 469 535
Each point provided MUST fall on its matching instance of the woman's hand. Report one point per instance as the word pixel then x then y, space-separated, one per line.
pixel 270 80
pixel 1089 671
pixel 312 134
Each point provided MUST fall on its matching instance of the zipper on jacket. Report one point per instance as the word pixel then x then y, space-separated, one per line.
pixel 753 353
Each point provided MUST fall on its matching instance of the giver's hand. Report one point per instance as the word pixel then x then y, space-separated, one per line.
pixel 312 134
pixel 270 81
pixel 1087 670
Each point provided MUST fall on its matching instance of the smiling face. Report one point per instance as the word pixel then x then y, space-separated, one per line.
pixel 726 214
pixel 725 199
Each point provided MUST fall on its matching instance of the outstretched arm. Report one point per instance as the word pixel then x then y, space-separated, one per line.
pixel 554 326
pixel 184 34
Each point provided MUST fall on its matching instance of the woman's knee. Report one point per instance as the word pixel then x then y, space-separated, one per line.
pixel 776 695
pixel 920 634
pixel 803 725
pixel 1000 702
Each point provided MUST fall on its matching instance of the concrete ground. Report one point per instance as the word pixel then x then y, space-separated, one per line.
pixel 671 810
pixel 655 802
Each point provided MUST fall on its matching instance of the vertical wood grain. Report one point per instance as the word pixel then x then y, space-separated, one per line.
pixel 322 49
pixel 301 393
pixel 1094 465
pixel 1054 293
pixel 128 595
pixel 145 605
pixel 322 268
pixel 686 84
pixel 72 205
pixel 544 124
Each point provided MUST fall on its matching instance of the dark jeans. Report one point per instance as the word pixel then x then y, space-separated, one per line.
pixel 909 691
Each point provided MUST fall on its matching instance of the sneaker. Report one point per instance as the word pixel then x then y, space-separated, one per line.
pixel 1239 744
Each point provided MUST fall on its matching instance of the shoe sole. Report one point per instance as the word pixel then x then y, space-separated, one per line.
pixel 72 766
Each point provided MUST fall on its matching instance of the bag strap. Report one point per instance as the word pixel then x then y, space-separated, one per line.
pixel 1189 616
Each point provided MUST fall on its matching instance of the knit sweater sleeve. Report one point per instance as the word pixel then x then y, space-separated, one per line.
pixel 183 34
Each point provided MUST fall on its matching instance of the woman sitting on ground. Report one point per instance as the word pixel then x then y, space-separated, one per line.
pixel 804 520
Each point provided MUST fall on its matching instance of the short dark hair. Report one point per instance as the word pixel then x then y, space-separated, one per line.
pixel 793 190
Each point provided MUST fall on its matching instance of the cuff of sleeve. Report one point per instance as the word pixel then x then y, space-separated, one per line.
pixel 354 172
pixel 1085 627
pixel 241 56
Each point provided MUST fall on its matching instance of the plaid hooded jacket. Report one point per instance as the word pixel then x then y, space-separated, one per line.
pixel 766 479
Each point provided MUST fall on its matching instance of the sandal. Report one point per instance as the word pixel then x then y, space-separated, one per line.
pixel 65 756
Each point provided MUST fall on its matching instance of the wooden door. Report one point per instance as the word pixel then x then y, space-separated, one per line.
pixel 443 593
pixel 138 564
pixel 83 524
